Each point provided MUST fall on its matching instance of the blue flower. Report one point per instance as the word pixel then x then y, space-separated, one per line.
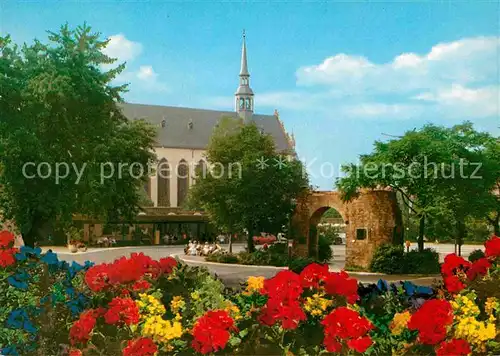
pixel 382 285
pixel 26 251
pixel 77 305
pixel 424 290
pixel 19 319
pixel 9 351
pixel 50 258
pixel 19 280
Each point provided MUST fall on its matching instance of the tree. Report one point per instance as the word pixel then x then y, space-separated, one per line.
pixel 62 134
pixel 249 185
pixel 430 168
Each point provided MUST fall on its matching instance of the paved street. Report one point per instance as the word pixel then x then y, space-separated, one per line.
pixel 232 274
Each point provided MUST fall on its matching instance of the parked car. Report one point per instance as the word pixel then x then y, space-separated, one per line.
pixel 264 239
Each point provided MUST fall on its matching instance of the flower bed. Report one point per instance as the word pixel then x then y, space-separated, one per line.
pixel 140 306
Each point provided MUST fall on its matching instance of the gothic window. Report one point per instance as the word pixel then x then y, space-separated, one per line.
pixel 242 103
pixel 182 182
pixel 247 105
pixel 163 182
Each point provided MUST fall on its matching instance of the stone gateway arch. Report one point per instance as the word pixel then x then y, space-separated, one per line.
pixel 372 219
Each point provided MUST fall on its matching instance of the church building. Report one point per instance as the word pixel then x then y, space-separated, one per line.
pixel 183 135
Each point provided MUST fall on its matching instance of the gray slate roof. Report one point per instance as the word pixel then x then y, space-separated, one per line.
pixel 177 134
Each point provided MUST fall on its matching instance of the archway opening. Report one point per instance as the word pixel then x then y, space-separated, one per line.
pixel 327 235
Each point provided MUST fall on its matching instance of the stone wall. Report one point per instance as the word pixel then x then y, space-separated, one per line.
pixel 376 211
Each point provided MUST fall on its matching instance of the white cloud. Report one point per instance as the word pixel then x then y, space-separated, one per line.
pixel 122 48
pixel 145 78
pixel 466 61
pixel 463 102
pixel 125 50
pixel 146 73
pixel 455 81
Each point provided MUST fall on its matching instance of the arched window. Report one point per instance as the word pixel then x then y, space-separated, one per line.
pixel 248 106
pixel 200 170
pixel 182 182
pixel 242 103
pixel 163 182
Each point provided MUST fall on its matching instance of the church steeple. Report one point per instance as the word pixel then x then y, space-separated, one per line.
pixel 244 94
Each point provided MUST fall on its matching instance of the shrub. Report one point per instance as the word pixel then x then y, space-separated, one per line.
pixel 392 259
pixel 299 263
pixel 425 262
pixel 387 259
pixel 476 255
pixel 223 258
pixel 325 252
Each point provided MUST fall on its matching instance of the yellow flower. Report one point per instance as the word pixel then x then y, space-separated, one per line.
pixel 474 331
pixel 491 305
pixel 233 310
pixel 399 322
pixel 177 304
pixel 254 284
pixel 149 306
pixel 317 305
pixel 464 305
pixel 195 295
pixel 161 330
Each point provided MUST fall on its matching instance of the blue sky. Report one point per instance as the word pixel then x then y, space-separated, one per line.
pixel 341 74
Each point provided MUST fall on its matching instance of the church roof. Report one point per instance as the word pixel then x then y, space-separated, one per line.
pixel 179 133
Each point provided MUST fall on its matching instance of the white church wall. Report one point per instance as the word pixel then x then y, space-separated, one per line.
pixel 174 156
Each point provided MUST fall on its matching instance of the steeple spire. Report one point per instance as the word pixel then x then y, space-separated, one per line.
pixel 244 94
pixel 244 66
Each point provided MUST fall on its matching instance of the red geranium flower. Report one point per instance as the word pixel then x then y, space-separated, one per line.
pixel 6 239
pixel 492 247
pixel 167 264
pixel 141 285
pixel 288 312
pixel 453 284
pixel 340 284
pixel 360 344
pixel 431 321
pixel 7 257
pixel 454 264
pixel 75 352
pixel 346 325
pixel 454 347
pixel 97 277
pixel 479 268
pixel 313 275
pixel 211 331
pixel 122 311
pixel 284 285
pixel 81 329
pixel 140 347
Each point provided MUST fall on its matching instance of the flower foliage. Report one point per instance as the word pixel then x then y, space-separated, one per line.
pixel 140 306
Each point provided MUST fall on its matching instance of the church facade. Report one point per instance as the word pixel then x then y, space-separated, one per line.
pixel 184 134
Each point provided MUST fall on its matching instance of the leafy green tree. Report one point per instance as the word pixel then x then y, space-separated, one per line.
pixel 432 170
pixel 57 107
pixel 249 184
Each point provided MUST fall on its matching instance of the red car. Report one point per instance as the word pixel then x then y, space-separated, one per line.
pixel 262 240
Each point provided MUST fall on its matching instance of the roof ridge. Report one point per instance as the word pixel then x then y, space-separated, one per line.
pixel 191 108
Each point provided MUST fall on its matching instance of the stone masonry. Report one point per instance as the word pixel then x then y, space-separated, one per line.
pixel 375 211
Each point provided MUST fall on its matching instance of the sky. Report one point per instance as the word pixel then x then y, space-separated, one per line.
pixel 341 74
